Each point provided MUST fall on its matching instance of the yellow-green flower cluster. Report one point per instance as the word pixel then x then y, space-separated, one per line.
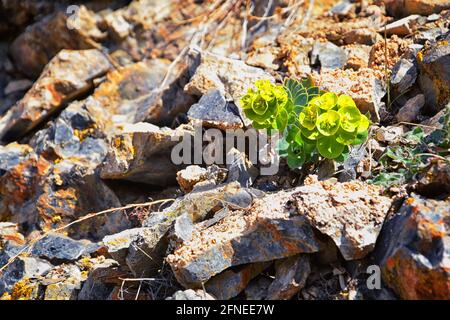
pixel 265 105
pixel 333 122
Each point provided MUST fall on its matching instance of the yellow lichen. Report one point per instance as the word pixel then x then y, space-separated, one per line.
pixel 22 289
pixel 6 296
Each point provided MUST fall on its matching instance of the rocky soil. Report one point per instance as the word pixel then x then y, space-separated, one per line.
pixel 94 93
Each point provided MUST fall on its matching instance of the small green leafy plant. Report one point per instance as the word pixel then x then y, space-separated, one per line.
pixel 313 123
pixel 401 163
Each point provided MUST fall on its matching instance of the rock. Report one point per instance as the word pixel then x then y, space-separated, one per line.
pixel 240 169
pixel 194 175
pixel 351 213
pixel 434 78
pixel 435 182
pixel 57 248
pixel 381 57
pixel 199 203
pixel 389 134
pixel 366 36
pixel 404 75
pixel 146 253
pixel 328 55
pixel 118 244
pixel 101 281
pixel 358 56
pixel 264 57
pixel 134 94
pixel 402 27
pixel 9 233
pixel 40 42
pixel 269 230
pixel 213 111
pixel 78 133
pixel 62 283
pixel 117 25
pixel 290 278
pixel 23 268
pixel 421 7
pixel 68 76
pixel 327 169
pixel 411 109
pixel 141 249
pixel 231 77
pixel 189 177
pixel 142 152
pixel 257 289
pixel 191 295
pixel 38 194
pixel 363 86
pixel 17 85
pixel 413 250
pixel 343 8
pixel 430 35
pixel 231 282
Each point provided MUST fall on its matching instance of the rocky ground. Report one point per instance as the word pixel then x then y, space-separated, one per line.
pixel 92 207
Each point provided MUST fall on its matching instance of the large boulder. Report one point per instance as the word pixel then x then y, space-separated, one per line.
pixel 413 250
pixel 434 79
pixel 68 76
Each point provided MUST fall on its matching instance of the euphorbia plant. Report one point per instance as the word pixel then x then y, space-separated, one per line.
pixel 313 123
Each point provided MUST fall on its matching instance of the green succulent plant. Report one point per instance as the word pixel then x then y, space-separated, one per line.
pixel 313 123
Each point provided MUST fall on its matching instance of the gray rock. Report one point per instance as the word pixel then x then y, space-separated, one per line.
pixel 58 248
pixel 143 153
pixel 342 8
pixel 413 250
pixel 231 282
pixel 62 283
pixel 213 111
pixel 257 288
pixel 328 55
pixel 68 75
pixel 146 253
pixel 100 282
pixel 240 169
pixel 421 7
pixel 402 27
pixel 434 79
pixel 429 35
pixel 404 75
pixel 344 212
pixel 268 230
pixel 290 278
pixel 191 295
pixel 411 109
pixel 22 268
pixel 231 77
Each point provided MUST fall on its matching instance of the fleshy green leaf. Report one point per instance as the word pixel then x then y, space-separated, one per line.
pixel 329 148
pixel 345 137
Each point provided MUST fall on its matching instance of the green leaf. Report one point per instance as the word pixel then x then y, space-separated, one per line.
pixel 361 137
pixel 345 137
pixel 297 92
pixel 282 120
pixel 364 124
pixel 328 123
pixel 329 148
pixel 310 134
